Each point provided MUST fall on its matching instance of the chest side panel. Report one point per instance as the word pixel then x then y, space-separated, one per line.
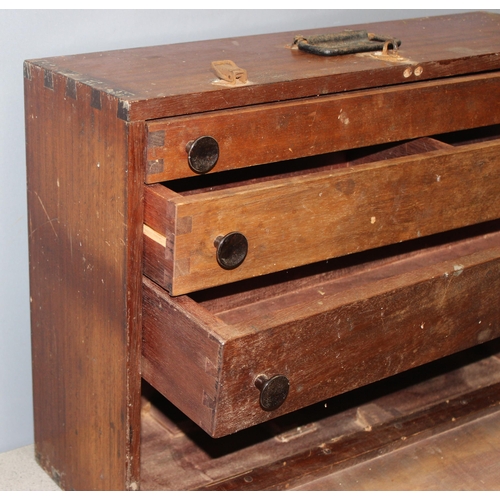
pixel 82 283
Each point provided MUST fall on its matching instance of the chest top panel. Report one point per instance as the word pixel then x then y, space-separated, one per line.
pixel 172 80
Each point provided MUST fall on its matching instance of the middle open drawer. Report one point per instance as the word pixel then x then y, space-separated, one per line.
pixel 276 222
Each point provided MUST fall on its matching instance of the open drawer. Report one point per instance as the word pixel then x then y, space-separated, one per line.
pixel 253 135
pixel 245 353
pixel 225 232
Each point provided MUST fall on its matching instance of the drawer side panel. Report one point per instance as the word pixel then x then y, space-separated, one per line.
pixel 181 355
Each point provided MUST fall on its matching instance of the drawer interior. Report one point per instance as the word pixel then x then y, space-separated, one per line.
pixel 321 207
pixel 332 435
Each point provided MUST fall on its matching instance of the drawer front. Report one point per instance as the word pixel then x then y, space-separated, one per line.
pixel 312 217
pixel 324 335
pixel 269 133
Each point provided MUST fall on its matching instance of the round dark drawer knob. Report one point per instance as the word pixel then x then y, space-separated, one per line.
pixel 231 250
pixel 273 391
pixel 203 154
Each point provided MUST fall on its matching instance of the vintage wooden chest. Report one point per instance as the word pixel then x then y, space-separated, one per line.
pixel 249 228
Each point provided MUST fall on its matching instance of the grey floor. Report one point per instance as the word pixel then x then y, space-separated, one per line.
pixel 20 472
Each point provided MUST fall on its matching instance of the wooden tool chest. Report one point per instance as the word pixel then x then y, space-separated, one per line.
pixel 244 230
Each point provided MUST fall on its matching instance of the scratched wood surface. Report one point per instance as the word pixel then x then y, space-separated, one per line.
pixel 337 438
pixel 328 336
pixel 86 156
pixel 320 215
pixel 265 134
pixel 85 219
pixel 172 80
pixel 462 459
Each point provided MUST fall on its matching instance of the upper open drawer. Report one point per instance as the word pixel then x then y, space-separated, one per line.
pixel 254 135
pixel 224 233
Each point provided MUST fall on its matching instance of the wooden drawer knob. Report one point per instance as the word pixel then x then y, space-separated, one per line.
pixel 273 391
pixel 231 250
pixel 203 154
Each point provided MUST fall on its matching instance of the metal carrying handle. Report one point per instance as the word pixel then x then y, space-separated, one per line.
pixel 345 42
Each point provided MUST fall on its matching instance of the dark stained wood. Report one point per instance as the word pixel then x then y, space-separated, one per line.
pixel 172 80
pixel 320 215
pixel 369 443
pixel 195 350
pixel 327 339
pixel 178 455
pixel 133 282
pixel 85 214
pixel 175 80
pixel 264 134
pixel 331 326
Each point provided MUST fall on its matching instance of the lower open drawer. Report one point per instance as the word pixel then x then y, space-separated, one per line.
pixel 325 329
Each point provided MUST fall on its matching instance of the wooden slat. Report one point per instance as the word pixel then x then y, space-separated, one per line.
pixel 327 339
pixel 134 194
pixel 314 217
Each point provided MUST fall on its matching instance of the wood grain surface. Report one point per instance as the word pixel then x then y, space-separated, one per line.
pixel 462 459
pixel 172 80
pixel 312 217
pixel 265 134
pixel 85 211
pixel 330 326
pixel 327 338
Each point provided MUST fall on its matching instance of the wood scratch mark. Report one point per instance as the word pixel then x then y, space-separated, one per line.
pixel 382 318
pixel 314 140
pixel 343 117
pixel 49 220
pixel 314 114
pixel 447 285
pixel 457 271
